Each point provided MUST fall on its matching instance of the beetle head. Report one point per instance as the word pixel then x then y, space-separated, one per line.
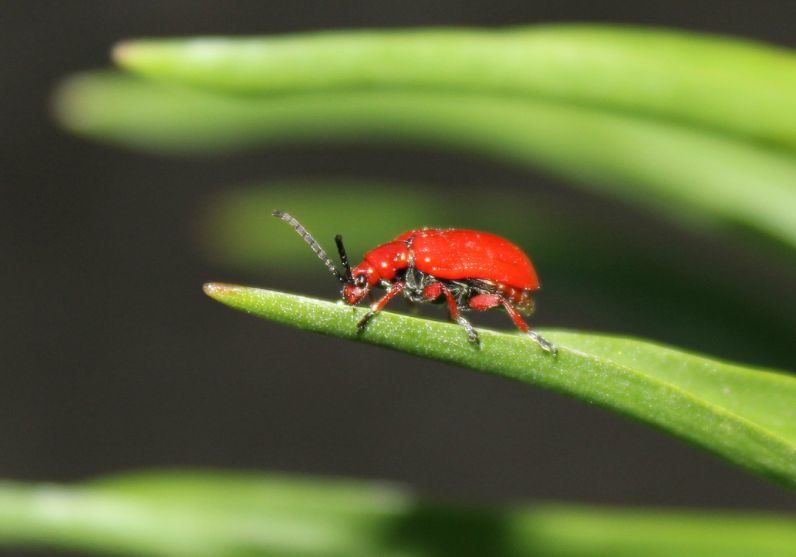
pixel 363 277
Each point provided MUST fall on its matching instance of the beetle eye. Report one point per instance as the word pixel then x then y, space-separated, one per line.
pixel 360 281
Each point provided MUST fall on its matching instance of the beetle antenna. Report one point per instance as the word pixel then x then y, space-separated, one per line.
pixel 344 258
pixel 314 245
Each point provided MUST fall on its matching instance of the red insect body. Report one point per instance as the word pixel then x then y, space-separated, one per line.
pixel 449 255
pixel 469 270
pixel 464 254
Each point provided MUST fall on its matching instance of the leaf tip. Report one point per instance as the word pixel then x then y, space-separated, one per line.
pixel 120 52
pixel 68 104
pixel 131 54
pixel 124 53
pixel 217 290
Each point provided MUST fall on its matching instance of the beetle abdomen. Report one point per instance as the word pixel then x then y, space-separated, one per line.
pixel 469 254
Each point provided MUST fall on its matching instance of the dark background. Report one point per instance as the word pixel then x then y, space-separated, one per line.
pixel 111 358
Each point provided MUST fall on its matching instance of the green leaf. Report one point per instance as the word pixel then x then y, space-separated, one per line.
pixel 184 513
pixel 747 416
pixel 692 175
pixel 742 87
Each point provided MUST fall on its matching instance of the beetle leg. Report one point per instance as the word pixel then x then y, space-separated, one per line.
pixel 482 302
pixel 394 290
pixel 433 291
pixel 523 326
pixel 472 334
pixel 437 289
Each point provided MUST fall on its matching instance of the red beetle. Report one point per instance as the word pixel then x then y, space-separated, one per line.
pixel 469 270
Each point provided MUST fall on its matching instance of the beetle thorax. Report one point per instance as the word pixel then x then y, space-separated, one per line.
pixel 381 264
pixel 385 261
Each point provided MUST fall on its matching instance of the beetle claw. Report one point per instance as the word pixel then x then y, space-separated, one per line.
pixel 364 321
pixel 543 343
pixel 472 334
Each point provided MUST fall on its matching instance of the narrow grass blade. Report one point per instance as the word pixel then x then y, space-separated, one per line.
pixel 209 514
pixel 747 416
pixel 738 86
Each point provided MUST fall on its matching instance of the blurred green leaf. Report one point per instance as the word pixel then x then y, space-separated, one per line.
pixel 745 415
pixel 690 174
pixel 734 85
pixel 183 513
